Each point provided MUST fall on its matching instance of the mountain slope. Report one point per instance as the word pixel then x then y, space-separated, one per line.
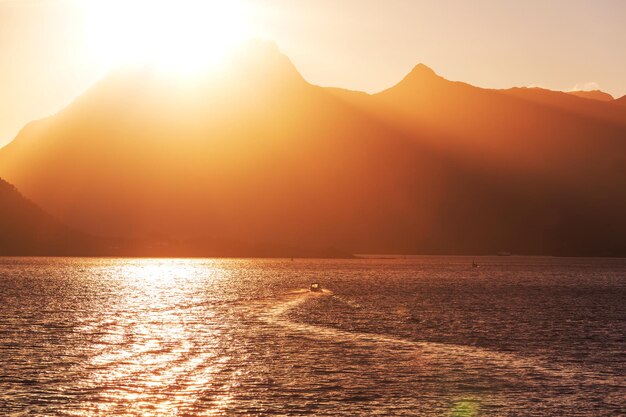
pixel 261 156
pixel 25 229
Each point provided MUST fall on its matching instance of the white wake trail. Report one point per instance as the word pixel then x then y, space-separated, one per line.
pixel 428 352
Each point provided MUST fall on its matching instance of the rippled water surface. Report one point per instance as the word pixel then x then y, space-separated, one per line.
pixel 427 336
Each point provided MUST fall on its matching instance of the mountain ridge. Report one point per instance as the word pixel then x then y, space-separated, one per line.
pixel 593 95
pixel 426 166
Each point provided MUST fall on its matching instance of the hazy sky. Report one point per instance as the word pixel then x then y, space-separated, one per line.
pixel 48 54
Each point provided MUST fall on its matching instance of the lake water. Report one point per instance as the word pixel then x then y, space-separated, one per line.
pixel 426 336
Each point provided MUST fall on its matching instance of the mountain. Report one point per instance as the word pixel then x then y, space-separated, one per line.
pixel 143 156
pixel 530 169
pixel 621 101
pixel 593 95
pixel 25 229
pixel 259 155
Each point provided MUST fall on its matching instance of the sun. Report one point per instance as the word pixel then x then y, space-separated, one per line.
pixel 182 36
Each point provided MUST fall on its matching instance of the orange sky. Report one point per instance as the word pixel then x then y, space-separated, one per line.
pixel 49 53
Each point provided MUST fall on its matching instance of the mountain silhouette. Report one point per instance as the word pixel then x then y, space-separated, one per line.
pixel 25 229
pixel 593 95
pixel 259 155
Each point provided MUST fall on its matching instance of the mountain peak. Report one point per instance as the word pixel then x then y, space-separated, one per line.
pixel 421 74
pixel 266 59
pixel 420 77
pixel 422 70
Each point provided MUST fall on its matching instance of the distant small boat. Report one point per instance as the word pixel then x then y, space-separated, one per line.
pixel 474 264
pixel 315 287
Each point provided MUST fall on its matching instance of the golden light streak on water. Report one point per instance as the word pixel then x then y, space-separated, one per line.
pixel 153 340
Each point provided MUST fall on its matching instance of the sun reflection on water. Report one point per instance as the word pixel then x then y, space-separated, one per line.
pixel 149 360
pixel 159 270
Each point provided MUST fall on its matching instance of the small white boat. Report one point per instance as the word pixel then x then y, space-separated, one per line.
pixel 315 287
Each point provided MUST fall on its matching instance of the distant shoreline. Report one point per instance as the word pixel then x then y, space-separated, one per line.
pixel 296 258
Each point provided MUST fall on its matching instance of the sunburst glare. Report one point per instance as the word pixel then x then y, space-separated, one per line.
pixel 183 37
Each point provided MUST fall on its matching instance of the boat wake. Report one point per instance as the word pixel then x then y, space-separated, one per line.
pixel 427 353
